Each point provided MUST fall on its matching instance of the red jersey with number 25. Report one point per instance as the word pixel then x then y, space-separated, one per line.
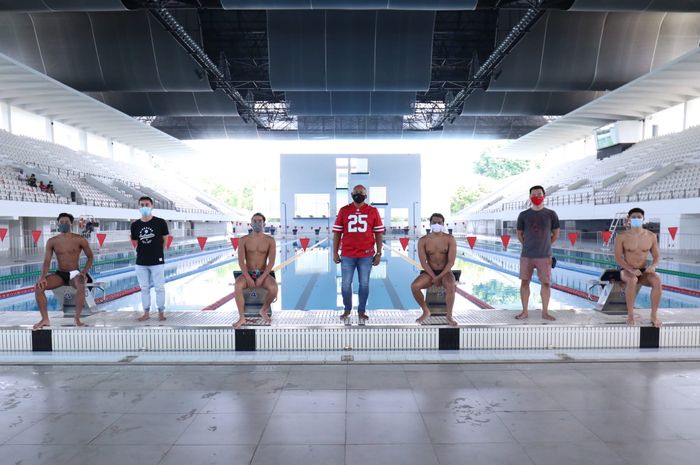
pixel 358 226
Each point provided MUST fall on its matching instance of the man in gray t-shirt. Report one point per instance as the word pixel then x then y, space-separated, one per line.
pixel 538 229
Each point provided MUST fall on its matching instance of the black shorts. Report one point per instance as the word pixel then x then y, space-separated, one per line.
pixel 65 276
pixel 255 274
pixel 616 275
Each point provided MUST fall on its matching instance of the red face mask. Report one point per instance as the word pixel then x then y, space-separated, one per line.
pixel 537 200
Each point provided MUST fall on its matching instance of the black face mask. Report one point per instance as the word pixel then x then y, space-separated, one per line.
pixel 359 198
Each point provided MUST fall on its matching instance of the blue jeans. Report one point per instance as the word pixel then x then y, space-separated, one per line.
pixel 347 269
pixel 151 276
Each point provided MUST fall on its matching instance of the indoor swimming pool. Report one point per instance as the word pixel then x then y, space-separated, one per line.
pixel 311 281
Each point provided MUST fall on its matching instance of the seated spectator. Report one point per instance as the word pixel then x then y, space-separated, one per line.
pixel 32 180
pixel 49 188
pixel 42 186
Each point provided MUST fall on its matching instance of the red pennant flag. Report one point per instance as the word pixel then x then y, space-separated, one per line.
pixel 472 241
pixel 35 235
pixel 404 242
pixel 202 240
pixel 3 233
pixel 304 241
pixel 101 238
pixel 168 242
pixel 506 240
pixel 234 242
pixel 606 237
pixel 672 230
pixel 572 238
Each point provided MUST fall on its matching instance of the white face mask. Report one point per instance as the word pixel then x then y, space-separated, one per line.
pixel 437 228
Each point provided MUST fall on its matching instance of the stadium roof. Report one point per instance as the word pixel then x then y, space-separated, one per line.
pixel 33 91
pixel 669 85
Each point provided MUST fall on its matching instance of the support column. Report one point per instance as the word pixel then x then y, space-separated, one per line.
pixel 5 117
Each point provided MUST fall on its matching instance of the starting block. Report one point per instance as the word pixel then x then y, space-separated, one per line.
pixel 611 300
pixel 65 295
pixel 253 298
pixel 435 296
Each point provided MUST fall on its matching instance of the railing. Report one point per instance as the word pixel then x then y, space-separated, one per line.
pixel 600 199
pixel 684 244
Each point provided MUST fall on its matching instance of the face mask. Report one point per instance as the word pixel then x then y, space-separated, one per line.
pixel 145 211
pixel 437 228
pixel 537 200
pixel 64 227
pixel 636 222
pixel 359 198
pixel 257 227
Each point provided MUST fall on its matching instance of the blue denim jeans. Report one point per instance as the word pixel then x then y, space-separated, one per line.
pixel 151 276
pixel 347 269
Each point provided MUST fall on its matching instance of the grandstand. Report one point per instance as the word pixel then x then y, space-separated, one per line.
pixel 661 168
pixel 96 181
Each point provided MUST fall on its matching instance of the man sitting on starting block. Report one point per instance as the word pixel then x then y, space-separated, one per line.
pixel 437 252
pixel 632 247
pixel 256 257
pixel 67 247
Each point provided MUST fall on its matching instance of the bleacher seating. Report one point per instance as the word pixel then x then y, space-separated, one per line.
pixel 16 189
pixel 614 179
pixel 72 167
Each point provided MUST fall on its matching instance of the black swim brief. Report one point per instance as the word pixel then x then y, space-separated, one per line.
pixel 436 272
pixel 616 275
pixel 255 274
pixel 65 276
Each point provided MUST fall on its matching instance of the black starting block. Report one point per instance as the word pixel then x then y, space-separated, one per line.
pixel 435 296
pixel 65 295
pixel 253 298
pixel 611 299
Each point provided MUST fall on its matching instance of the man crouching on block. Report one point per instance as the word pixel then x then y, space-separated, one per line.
pixel 632 247
pixel 67 247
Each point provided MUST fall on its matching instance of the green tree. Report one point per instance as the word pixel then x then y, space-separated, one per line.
pixel 247 198
pixel 464 196
pixel 239 198
pixel 499 168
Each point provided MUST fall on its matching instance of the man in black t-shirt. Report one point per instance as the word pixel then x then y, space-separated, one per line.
pixel 149 234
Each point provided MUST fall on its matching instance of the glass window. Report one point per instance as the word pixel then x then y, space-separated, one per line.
pixel 377 194
pixel 341 199
pixel 28 124
pixel 399 216
pixel 121 152
pixel 311 205
pixel 359 165
pixel 341 162
pixel 97 145
pixel 341 178
pixel 65 135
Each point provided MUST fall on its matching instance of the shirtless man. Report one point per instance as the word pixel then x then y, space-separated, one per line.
pixel 256 257
pixel 437 252
pixel 67 247
pixel 632 248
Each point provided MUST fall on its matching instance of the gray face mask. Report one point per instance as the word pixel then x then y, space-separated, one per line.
pixel 257 227
pixel 64 228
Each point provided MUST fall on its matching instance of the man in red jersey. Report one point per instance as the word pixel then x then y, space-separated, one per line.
pixel 360 228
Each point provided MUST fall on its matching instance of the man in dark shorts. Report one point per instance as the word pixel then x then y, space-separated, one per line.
pixel 632 248
pixel 437 252
pixel 67 247
pixel 256 257
pixel 538 229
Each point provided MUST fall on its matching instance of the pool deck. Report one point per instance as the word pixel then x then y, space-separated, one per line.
pixel 322 330
pixel 330 319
